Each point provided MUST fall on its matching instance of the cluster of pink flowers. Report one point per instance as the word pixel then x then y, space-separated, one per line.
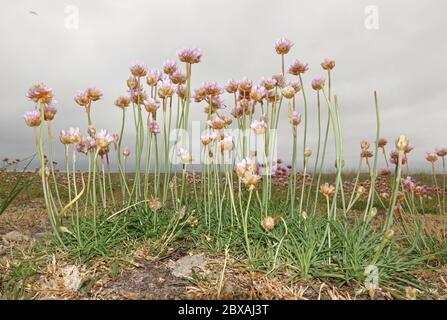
pixel 86 97
pixel 43 95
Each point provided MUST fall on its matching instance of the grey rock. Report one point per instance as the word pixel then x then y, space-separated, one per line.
pixel 15 236
pixel 184 266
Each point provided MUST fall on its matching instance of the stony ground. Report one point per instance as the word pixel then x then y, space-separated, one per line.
pixel 182 273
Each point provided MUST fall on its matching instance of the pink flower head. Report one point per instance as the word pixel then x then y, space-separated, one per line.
pixel 211 89
pixel 232 86
pixel 295 85
pixel 385 172
pixel 258 93
pixel 441 152
pixel 32 118
pixel 184 155
pixel 199 94
pixel 151 105
pixel 169 66
pixel 226 144
pixel 49 111
pixel 190 55
pixel 297 68
pixel 122 102
pixel 178 77
pixel 259 127
pixel 137 96
pixel 93 93
pixel 103 139
pixel 328 64
pixel 283 45
pixel 138 70
pixel 180 91
pixel 165 88
pixel 318 83
pixel 295 118
pixel 394 157
pixel 86 145
pixel 74 135
pixel 216 123
pixel 153 77
pixel 268 83
pixel 409 182
pixel 64 137
pixel 40 93
pixel 82 98
pixel 154 128
pixel 208 138
pixel 431 157
pixel 409 148
pixel 132 83
pixel 245 85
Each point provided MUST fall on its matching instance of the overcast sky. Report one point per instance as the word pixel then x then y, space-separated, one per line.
pixel 404 60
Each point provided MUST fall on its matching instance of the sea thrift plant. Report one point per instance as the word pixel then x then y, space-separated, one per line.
pixel 223 181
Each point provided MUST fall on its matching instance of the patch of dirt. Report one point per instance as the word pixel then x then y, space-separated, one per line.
pixel 28 217
pixel 151 280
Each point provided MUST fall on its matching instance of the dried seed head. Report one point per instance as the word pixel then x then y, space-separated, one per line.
pixel 288 92
pixel 153 204
pixel 382 143
pixel 268 223
pixel 328 64
pixel 91 131
pixel 327 190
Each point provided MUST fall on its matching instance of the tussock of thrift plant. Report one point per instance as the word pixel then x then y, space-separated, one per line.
pixel 232 180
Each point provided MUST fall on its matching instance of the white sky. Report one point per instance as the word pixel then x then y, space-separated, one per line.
pixel 404 60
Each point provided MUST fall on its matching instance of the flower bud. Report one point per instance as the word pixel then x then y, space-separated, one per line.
pixel 91 131
pixel 126 152
pixel 307 152
pixel 389 234
pixel 402 143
